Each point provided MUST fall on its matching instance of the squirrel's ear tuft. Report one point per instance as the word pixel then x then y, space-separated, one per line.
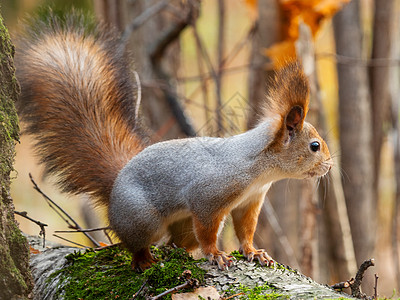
pixel 294 117
pixel 288 96
pixel 287 102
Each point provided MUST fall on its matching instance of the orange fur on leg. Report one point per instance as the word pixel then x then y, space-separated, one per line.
pixel 207 236
pixel 245 221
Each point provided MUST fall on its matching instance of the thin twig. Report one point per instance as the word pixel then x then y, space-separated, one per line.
pixel 157 50
pixel 82 230
pixel 204 53
pixel 170 291
pixel 220 54
pixel 140 290
pixel 235 51
pixel 140 20
pixel 190 282
pixel 61 211
pixel 233 296
pixel 230 70
pixel 40 224
pixel 239 45
pixel 203 85
pixel 105 231
pixel 69 241
pixel 276 227
pixel 342 285
pixel 376 287
pixel 348 60
pixel 108 246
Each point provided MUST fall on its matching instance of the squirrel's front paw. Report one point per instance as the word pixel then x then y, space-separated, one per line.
pixel 221 259
pixel 261 255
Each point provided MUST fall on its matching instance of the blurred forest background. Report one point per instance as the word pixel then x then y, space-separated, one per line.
pixel 204 69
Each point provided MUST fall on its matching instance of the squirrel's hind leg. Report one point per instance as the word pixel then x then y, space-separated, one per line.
pixel 182 234
pixel 137 225
pixel 142 260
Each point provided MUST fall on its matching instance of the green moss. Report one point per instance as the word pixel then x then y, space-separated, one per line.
pixel 107 274
pixel 16 236
pixel 264 292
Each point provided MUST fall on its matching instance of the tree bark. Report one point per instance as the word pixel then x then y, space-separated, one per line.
pixel 267 33
pixel 379 80
pixel 287 282
pixel 16 281
pixel 355 131
pixel 160 106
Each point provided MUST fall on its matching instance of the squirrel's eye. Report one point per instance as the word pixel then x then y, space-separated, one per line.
pixel 314 146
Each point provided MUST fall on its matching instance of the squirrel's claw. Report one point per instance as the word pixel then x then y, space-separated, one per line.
pixel 261 255
pixel 221 259
pixel 142 260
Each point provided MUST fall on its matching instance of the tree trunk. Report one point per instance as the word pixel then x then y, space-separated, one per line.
pixel 161 111
pixel 267 33
pixel 355 131
pixel 15 275
pixel 379 80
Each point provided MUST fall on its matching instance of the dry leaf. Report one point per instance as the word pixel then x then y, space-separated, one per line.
pixel 33 250
pixel 208 292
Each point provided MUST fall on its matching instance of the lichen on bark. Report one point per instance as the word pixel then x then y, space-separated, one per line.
pixel 14 251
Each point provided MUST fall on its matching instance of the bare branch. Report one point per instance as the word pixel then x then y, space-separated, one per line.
pixel 343 285
pixel 220 54
pixel 82 230
pixel 273 221
pixel 69 241
pixel 376 287
pixel 140 290
pixel 190 282
pixel 61 212
pixel 348 60
pixel 108 246
pixel 355 287
pixel 157 50
pixel 40 224
pixel 140 20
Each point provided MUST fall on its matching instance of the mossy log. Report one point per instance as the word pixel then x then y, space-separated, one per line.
pixel 68 273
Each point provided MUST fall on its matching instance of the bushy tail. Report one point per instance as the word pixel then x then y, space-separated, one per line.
pixel 77 100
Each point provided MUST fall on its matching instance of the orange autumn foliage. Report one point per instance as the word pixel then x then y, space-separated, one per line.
pixel 310 12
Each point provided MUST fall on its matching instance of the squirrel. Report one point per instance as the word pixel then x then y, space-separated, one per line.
pixel 77 100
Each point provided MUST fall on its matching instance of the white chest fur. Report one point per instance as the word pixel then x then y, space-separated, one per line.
pixel 256 190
